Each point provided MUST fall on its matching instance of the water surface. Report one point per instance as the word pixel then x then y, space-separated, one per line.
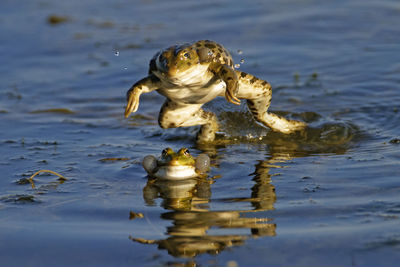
pixel 326 197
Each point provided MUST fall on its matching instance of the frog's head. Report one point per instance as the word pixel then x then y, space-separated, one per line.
pixel 175 61
pixel 171 158
pixel 173 165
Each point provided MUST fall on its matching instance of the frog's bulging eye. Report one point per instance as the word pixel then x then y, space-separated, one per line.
pixel 166 152
pixel 186 152
pixel 186 55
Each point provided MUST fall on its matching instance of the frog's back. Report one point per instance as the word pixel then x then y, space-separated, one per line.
pixel 210 51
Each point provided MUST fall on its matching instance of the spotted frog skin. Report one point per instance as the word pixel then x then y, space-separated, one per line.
pixel 193 74
pixel 176 165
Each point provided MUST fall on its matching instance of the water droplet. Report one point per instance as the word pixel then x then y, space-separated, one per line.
pixel 125 68
pixel 237 65
pixel 240 52
pixel 242 61
pixel 210 53
pixel 116 53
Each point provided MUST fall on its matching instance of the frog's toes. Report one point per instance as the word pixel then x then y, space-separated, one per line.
pixel 231 97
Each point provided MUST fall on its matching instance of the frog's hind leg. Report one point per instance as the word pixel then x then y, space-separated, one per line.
pixel 173 115
pixel 258 94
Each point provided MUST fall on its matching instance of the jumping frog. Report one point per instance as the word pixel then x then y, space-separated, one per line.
pixel 193 74
pixel 176 165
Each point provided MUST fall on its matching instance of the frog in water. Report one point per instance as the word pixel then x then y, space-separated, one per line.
pixel 193 74
pixel 176 165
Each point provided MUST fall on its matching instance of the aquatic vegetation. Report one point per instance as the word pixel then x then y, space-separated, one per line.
pixel 19 198
pixel 135 215
pixel 53 110
pixel 57 19
pixel 113 159
pixel 61 178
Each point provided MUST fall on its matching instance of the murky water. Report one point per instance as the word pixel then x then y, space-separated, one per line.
pixel 329 196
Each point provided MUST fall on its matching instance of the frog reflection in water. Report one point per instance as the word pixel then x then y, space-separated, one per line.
pixel 196 228
pixel 176 165
pixel 191 75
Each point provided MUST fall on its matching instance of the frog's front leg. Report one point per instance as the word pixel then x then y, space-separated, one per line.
pixel 228 75
pixel 174 115
pixel 145 85
pixel 258 94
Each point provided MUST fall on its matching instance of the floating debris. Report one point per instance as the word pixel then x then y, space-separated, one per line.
pixel 113 159
pixel 23 181
pixel 19 198
pixel 56 19
pixel 135 215
pixel 395 141
pixel 53 110
pixel 61 178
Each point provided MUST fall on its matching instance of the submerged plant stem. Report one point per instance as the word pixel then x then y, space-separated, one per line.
pixel 40 171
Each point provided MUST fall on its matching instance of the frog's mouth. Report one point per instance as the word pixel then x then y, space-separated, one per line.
pixel 167 70
pixel 166 75
pixel 176 162
pixel 193 76
pixel 176 172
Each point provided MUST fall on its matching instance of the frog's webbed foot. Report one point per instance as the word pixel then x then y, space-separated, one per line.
pixel 145 85
pixel 228 75
pixel 174 115
pixel 258 94
pixel 132 98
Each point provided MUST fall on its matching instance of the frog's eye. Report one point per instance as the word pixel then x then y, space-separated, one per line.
pixel 186 55
pixel 166 152
pixel 186 152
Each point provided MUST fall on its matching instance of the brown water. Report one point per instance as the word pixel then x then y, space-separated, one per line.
pixel 329 196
